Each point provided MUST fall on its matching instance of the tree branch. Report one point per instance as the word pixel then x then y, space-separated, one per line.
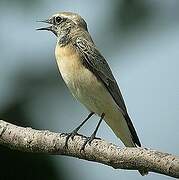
pixel 30 140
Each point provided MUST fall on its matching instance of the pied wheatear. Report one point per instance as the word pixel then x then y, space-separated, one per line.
pixel 89 77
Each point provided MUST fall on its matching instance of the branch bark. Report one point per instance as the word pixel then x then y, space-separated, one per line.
pixel 36 141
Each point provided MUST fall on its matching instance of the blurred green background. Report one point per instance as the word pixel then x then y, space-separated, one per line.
pixel 140 40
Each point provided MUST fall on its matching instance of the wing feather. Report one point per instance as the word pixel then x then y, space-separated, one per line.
pixel 96 63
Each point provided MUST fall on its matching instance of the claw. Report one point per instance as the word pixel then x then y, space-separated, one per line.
pixel 63 134
pixel 93 136
pixel 88 141
pixel 84 144
pixel 70 135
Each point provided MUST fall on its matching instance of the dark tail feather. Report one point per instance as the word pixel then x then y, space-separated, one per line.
pixel 135 139
pixel 134 136
pixel 143 172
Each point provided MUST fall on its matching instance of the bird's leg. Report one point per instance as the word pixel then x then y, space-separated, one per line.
pixel 93 136
pixel 75 131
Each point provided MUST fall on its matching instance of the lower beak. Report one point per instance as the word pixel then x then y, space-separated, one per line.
pixel 45 28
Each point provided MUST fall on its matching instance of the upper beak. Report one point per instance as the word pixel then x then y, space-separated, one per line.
pixel 49 28
pixel 48 21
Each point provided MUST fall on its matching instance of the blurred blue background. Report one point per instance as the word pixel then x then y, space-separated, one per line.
pixel 140 40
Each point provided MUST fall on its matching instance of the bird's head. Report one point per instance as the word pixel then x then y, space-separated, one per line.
pixel 62 23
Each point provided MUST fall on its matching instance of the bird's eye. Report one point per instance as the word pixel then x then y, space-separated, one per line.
pixel 58 19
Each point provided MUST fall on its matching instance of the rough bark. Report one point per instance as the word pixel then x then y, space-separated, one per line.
pixel 36 141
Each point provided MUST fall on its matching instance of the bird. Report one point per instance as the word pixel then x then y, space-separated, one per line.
pixel 89 78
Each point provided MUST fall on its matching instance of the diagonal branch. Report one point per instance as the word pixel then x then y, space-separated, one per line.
pixel 30 140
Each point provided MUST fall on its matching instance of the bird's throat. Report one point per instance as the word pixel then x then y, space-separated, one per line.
pixel 63 40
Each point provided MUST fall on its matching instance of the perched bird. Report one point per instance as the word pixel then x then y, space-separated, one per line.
pixel 89 77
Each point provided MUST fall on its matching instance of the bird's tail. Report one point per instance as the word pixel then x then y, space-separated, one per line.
pixel 123 128
pixel 135 139
pixel 143 172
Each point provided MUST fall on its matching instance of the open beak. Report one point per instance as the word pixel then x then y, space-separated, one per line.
pixel 51 28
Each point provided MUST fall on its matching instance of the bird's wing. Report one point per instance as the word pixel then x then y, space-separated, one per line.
pixel 96 63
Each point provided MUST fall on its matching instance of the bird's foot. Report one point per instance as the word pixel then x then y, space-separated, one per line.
pixel 88 140
pixel 70 135
pixel 74 132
